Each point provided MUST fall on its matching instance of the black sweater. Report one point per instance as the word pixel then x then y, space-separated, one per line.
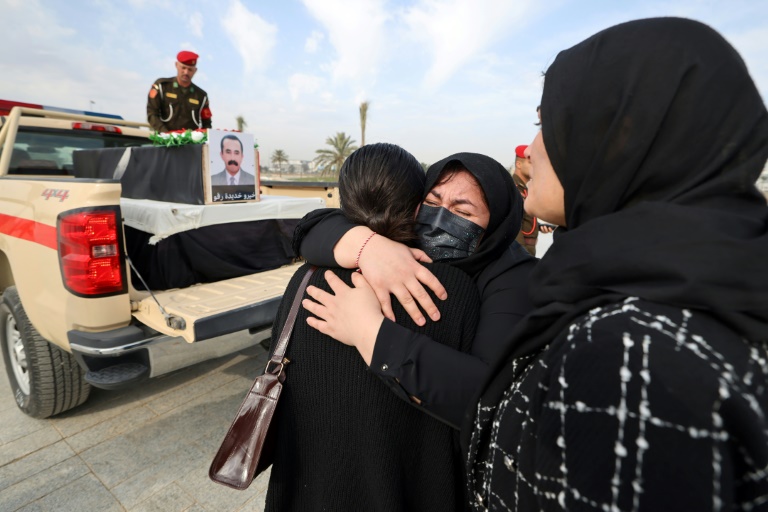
pixel 414 362
pixel 345 441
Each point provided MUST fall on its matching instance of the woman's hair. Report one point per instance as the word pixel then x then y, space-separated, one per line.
pixel 380 186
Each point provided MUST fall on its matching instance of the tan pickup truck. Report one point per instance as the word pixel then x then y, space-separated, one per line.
pixel 70 316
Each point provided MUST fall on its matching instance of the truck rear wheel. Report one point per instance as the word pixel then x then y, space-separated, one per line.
pixel 45 379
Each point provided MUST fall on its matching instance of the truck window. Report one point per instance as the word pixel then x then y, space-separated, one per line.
pixel 49 151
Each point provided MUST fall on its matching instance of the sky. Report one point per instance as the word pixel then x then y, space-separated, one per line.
pixel 440 76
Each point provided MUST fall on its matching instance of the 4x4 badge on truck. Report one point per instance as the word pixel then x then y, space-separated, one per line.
pixel 59 194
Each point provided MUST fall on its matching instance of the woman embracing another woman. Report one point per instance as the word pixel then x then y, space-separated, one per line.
pixel 640 381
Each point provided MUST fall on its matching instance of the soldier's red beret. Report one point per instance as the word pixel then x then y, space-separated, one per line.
pixel 520 151
pixel 188 58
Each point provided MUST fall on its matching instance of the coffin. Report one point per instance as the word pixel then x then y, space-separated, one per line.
pixel 175 245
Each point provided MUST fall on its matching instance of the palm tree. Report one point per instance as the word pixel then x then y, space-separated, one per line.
pixel 332 159
pixel 279 158
pixel 363 119
pixel 240 123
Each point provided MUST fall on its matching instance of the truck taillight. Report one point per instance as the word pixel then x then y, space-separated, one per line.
pixel 96 127
pixel 90 252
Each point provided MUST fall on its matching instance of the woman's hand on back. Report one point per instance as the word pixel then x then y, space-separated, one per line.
pixel 349 315
pixel 393 268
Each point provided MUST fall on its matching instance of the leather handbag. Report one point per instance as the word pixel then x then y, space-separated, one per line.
pixel 249 446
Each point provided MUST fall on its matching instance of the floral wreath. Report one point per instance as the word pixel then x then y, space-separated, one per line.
pixel 179 137
pixel 183 137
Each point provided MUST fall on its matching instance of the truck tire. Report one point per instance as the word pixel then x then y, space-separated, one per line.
pixel 45 379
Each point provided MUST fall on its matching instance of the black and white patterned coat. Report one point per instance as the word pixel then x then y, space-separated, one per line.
pixel 638 406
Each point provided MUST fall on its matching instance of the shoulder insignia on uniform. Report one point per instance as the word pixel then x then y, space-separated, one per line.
pixel 194 101
pixel 171 95
pixel 153 92
pixel 206 113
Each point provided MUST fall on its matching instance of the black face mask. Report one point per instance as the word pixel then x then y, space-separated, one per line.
pixel 444 235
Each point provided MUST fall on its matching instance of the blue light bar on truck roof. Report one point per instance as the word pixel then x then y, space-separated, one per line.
pixel 6 106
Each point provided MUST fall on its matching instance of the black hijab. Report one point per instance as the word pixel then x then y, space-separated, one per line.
pixel 504 203
pixel 657 134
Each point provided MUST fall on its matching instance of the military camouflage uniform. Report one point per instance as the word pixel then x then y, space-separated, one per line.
pixel 530 229
pixel 172 107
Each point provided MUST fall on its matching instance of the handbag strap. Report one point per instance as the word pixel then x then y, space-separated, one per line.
pixel 285 334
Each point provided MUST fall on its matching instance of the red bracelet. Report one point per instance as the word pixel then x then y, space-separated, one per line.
pixel 360 252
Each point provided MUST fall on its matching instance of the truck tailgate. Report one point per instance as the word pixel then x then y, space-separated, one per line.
pixel 204 311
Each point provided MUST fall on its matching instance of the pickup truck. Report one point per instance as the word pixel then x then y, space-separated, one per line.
pixel 70 315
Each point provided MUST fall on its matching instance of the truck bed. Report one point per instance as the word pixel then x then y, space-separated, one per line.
pixel 205 310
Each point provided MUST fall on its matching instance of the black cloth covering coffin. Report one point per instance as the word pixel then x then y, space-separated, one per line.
pixel 172 174
pixel 209 253
pixel 203 255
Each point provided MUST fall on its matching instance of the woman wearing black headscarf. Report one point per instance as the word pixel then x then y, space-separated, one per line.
pixel 442 380
pixel 640 382
pixel 344 441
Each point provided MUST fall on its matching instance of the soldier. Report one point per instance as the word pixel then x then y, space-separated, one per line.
pixel 529 231
pixel 176 103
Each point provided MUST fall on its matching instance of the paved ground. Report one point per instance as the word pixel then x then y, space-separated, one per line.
pixel 138 450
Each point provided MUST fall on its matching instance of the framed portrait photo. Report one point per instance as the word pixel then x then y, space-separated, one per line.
pixel 232 173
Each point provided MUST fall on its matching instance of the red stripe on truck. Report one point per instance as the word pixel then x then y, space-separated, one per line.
pixel 29 230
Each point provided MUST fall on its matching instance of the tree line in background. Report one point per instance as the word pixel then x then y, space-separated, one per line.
pixel 328 160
